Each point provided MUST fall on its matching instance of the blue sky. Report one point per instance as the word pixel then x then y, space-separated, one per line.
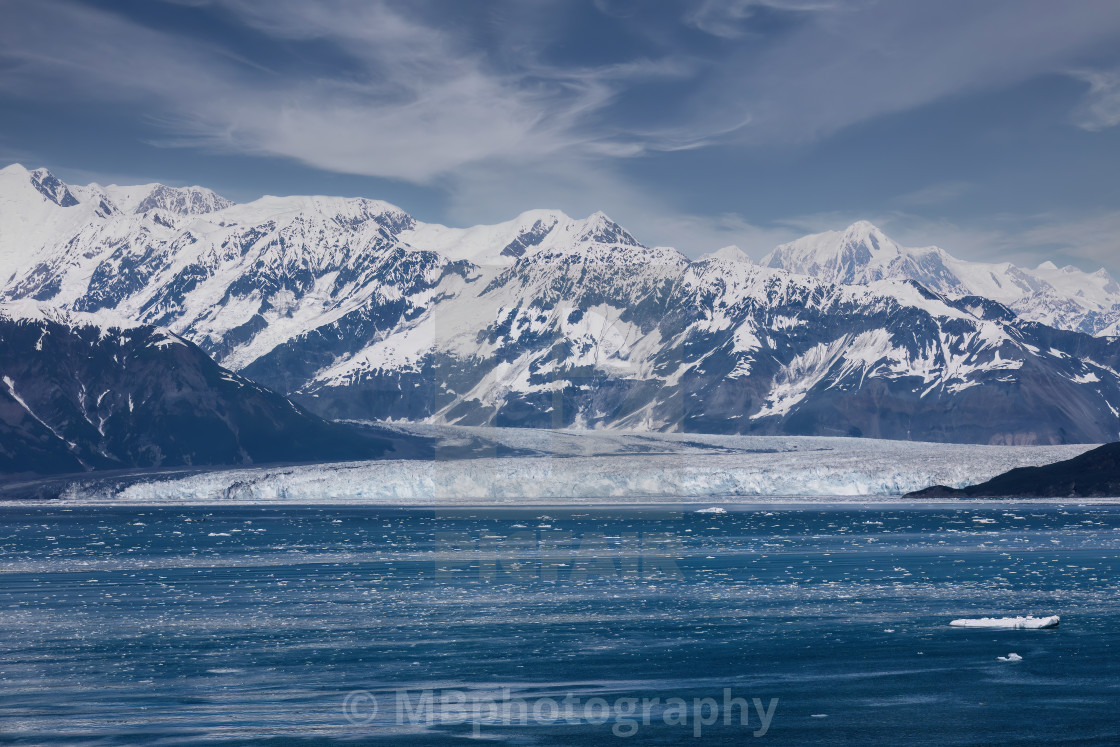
pixel 989 128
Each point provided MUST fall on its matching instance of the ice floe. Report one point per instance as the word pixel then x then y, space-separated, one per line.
pixel 1017 623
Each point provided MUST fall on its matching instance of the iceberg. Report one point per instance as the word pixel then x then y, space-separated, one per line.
pixel 1010 657
pixel 1014 623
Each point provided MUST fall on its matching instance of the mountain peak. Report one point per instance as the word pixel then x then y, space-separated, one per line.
pixel 867 234
pixel 129 199
pixel 863 228
pixel 15 169
pixel 142 198
pixel 545 215
pixel 51 187
pixel 183 200
pixel 730 253
pixel 858 254
pixel 600 229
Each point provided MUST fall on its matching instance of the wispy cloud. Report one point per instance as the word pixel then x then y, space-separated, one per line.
pixel 848 63
pixel 1101 107
pixel 414 102
pixel 730 19
pixel 415 99
pixel 1088 239
pixel 580 187
pixel 501 113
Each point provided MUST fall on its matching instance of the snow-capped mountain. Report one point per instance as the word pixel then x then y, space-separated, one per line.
pixel 75 396
pixel 357 310
pixel 40 215
pixel 1067 297
pixel 146 197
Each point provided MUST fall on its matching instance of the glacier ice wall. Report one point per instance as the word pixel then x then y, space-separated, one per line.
pixel 668 468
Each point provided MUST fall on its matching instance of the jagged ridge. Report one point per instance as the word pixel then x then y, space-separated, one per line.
pixel 358 310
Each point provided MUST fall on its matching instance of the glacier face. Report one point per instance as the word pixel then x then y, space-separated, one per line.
pixel 356 310
pixel 590 467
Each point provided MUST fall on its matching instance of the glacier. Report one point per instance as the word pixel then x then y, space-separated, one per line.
pixel 575 467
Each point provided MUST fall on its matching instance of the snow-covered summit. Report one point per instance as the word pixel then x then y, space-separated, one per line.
pixel 51 187
pixel 39 211
pixel 1065 297
pixel 729 254
pixel 177 200
pixel 862 254
pixel 15 178
pixel 532 232
pixel 501 243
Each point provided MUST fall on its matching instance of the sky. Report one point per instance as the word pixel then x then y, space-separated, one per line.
pixel 991 129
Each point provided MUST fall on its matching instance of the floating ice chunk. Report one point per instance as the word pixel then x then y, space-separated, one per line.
pixel 712 510
pixel 1018 623
pixel 1010 657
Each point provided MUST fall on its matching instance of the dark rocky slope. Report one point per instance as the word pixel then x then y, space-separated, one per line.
pixel 1094 474
pixel 77 398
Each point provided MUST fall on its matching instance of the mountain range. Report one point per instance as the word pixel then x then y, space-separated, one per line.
pixel 354 309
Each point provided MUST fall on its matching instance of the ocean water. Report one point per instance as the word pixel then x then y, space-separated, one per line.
pixel 815 623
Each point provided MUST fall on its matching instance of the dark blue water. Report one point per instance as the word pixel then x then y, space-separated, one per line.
pixel 248 624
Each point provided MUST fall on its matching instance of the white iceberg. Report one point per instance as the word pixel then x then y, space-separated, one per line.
pixel 1014 623
pixel 1010 657
pixel 712 510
